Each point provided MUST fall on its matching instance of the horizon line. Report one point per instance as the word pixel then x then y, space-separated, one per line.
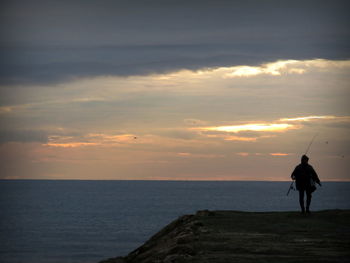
pixel 158 180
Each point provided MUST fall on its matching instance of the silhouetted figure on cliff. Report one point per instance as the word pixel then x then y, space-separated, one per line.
pixel 305 178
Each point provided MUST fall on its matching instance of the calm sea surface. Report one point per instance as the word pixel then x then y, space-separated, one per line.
pixel 87 221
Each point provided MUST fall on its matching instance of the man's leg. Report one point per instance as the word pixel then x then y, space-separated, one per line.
pixel 301 200
pixel 308 201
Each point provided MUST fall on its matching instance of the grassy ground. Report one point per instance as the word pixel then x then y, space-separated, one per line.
pixel 231 236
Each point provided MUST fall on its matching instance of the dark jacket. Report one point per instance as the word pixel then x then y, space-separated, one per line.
pixel 305 177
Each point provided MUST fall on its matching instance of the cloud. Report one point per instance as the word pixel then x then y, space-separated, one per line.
pixel 265 127
pixel 188 137
pixel 162 104
pixel 258 130
pixel 90 139
pixel 92 75
pixel 315 118
pixel 245 154
pixel 279 154
pixel 209 80
pixel 281 67
pixel 44 43
pixel 124 61
pixel 178 133
pixel 71 145
pixel 23 136
pixel 194 122
pixel 274 69
pixel 246 138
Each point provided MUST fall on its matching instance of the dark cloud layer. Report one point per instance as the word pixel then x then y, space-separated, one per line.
pixel 52 41
pixel 23 136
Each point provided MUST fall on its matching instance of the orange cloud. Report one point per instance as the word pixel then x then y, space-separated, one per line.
pixel 261 127
pixel 91 139
pixel 111 138
pixel 241 139
pixel 309 118
pixel 279 154
pixel 244 154
pixel 233 138
pixel 71 145
pixel 280 125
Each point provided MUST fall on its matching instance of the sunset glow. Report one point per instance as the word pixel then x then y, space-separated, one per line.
pixel 279 154
pixel 273 127
pixel 221 99
pixel 309 118
pixel 283 67
pixel 71 145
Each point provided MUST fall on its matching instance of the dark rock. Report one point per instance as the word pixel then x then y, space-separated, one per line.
pixel 231 236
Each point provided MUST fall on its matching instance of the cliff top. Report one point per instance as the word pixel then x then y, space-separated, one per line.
pixel 232 236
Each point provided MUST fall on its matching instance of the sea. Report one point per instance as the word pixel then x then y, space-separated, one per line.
pixel 74 221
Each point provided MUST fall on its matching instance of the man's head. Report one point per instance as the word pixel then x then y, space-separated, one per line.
pixel 304 159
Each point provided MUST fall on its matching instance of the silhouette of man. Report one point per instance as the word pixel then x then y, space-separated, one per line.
pixel 305 178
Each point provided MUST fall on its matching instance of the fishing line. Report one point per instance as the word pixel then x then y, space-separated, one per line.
pixel 313 138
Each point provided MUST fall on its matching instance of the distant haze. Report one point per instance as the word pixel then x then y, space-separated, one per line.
pixel 173 90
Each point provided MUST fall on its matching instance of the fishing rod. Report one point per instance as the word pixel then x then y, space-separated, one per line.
pixel 291 187
pixel 308 148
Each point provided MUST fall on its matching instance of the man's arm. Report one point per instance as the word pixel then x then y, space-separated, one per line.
pixel 315 176
pixel 293 176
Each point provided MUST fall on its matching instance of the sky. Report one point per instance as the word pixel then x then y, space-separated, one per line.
pixel 174 90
